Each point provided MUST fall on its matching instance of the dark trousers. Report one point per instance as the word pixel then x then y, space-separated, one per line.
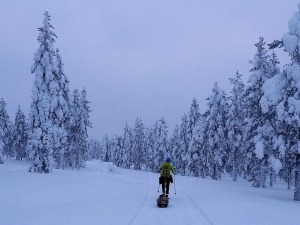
pixel 165 183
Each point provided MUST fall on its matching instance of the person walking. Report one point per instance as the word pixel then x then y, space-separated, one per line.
pixel 165 175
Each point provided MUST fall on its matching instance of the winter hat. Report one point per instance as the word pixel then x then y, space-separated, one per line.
pixel 168 160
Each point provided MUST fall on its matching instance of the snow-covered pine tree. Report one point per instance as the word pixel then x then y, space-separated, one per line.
pixel 235 126
pixel 259 130
pixel 188 123
pixel 160 144
pixel 271 124
pixel 149 149
pixel 273 64
pixel 85 124
pixel 184 142
pixel 94 147
pixel 217 131
pixel 194 115
pixel 286 98
pixel 107 149
pixel 60 113
pixel 105 156
pixel 201 141
pixel 118 144
pixel 196 162
pixel 138 148
pixel 4 129
pixel 74 130
pixel 86 110
pixel 127 146
pixel 113 148
pixel 20 135
pixel 174 148
pixel 193 130
pixel 78 137
pixel 48 108
pixel 8 147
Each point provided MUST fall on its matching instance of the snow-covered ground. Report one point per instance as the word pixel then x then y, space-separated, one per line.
pixel 104 195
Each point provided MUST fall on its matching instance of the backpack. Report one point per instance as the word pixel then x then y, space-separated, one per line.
pixel 165 170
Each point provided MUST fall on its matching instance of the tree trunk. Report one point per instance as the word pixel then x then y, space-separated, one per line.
pixel 271 177
pixel 235 168
pixel 289 179
pixel 297 179
pixel 261 177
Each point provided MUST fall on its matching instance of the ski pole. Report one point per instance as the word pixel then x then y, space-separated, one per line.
pixel 174 185
pixel 158 184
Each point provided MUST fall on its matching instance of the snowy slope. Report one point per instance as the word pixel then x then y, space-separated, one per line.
pixel 96 196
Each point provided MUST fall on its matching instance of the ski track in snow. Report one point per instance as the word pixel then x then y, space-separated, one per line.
pixel 182 210
pixel 194 210
pixel 141 206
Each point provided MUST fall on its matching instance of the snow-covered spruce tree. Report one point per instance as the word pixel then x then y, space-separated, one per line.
pixel 85 124
pixel 127 146
pixel 94 147
pixel 217 131
pixel 183 150
pixel 138 148
pixel 193 128
pixel 106 150
pixel 20 135
pixel 173 148
pixel 48 108
pixel 188 123
pixel 149 149
pixel 118 144
pixel 196 161
pixel 78 137
pixel 4 129
pixel 194 115
pixel 259 125
pixel 113 148
pixel 8 147
pixel 160 144
pixel 206 153
pixel 235 126
pixel 74 129
pixel 271 122
pixel 286 98
pixel 60 114
pixel 86 110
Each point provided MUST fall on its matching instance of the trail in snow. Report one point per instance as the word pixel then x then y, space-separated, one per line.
pixel 197 211
pixel 182 210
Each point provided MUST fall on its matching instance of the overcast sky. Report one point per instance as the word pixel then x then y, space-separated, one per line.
pixel 138 58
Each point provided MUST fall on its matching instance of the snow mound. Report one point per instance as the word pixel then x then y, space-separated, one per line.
pixel 109 167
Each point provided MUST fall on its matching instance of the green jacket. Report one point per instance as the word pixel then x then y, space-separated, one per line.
pixel 166 169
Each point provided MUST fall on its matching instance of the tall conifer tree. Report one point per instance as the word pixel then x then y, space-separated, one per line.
pixel 286 100
pixel 78 130
pixel 235 126
pixel 4 129
pixel 20 135
pixel 138 148
pixel 259 129
pixel 217 131
pixel 49 105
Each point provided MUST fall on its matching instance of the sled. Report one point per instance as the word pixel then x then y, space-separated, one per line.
pixel 163 201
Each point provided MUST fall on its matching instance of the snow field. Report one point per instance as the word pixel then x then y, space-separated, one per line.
pixel 102 194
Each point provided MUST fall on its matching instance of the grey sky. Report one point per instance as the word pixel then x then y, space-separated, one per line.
pixel 138 58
